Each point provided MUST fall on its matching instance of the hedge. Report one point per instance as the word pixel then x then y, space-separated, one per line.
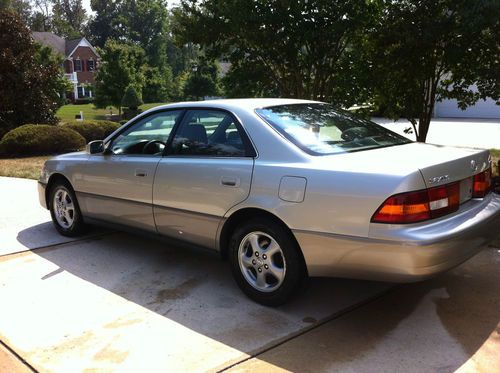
pixel 40 139
pixel 93 129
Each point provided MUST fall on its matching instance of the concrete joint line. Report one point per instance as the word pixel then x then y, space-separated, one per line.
pixel 320 323
pixel 18 357
pixel 89 238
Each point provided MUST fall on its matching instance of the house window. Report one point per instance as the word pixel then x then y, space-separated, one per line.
pixel 90 65
pixel 78 65
pixel 81 92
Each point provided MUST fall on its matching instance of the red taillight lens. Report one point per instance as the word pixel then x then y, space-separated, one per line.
pixel 444 199
pixel 404 208
pixel 482 184
pixel 418 206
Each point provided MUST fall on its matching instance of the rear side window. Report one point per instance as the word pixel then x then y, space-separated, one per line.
pixel 208 133
pixel 319 129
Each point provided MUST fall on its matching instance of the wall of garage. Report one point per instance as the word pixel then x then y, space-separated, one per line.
pixel 482 109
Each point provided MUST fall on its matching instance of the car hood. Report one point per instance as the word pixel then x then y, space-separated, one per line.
pixel 80 154
pixel 438 164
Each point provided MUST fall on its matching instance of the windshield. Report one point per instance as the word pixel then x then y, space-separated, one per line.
pixel 319 129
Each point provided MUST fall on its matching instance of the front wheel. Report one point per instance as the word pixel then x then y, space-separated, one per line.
pixel 266 262
pixel 65 211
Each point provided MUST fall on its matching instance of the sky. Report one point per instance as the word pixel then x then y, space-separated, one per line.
pixel 86 4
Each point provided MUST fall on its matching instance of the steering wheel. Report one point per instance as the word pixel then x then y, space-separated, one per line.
pixel 354 133
pixel 151 143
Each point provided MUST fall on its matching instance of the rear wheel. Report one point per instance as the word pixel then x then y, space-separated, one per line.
pixel 266 262
pixel 65 211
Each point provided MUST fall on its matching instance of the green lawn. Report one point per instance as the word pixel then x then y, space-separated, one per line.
pixel 68 112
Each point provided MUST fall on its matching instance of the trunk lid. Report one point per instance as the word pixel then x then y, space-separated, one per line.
pixel 438 164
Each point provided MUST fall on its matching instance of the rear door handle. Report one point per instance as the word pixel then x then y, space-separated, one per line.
pixel 230 181
pixel 141 173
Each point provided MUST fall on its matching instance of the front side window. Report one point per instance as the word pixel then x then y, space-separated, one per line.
pixel 319 129
pixel 90 65
pixel 209 133
pixel 148 136
pixel 78 65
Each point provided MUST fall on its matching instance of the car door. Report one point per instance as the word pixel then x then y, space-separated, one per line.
pixel 207 170
pixel 118 184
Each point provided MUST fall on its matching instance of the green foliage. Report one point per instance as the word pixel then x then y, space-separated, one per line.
pixel 68 18
pixel 158 84
pixel 30 79
pixel 202 81
pixel 131 99
pixel 296 48
pixel 93 129
pixel 46 57
pixel 105 23
pixel 421 52
pixel 21 7
pixel 143 24
pixel 121 66
pixel 33 139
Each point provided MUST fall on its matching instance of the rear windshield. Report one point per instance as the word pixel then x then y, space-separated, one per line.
pixel 319 129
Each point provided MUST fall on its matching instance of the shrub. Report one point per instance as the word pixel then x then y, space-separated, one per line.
pixel 39 139
pixel 131 113
pixel 131 98
pixel 93 129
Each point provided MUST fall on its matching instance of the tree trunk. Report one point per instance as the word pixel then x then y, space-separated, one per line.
pixel 427 108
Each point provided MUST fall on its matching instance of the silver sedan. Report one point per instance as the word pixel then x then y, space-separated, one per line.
pixel 284 189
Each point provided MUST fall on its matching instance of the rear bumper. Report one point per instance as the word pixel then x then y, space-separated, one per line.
pixel 41 194
pixel 404 253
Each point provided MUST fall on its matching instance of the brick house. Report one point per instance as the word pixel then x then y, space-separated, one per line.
pixel 80 62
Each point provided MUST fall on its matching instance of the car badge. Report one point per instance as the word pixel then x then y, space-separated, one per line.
pixel 473 165
pixel 438 179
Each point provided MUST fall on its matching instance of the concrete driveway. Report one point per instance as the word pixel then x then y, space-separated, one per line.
pixel 113 301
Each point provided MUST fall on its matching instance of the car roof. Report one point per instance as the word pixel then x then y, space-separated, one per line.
pixel 236 103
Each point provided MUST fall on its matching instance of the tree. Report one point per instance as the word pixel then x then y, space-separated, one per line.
pixel 121 66
pixel 105 24
pixel 41 19
pixel 21 7
pixel 30 78
pixel 143 23
pixel 296 48
pixel 430 50
pixel 131 99
pixel 158 84
pixel 202 81
pixel 68 18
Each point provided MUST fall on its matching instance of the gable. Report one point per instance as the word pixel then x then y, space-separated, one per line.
pixel 73 45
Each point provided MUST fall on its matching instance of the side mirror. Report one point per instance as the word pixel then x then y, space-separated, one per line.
pixel 95 147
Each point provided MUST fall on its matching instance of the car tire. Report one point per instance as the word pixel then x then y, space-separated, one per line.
pixel 65 211
pixel 266 261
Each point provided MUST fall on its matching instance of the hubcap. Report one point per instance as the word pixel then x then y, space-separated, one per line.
pixel 64 209
pixel 261 261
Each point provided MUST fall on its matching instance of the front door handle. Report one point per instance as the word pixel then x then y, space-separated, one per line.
pixel 141 173
pixel 230 181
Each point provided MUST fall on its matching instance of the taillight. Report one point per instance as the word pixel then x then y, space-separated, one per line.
pixel 482 184
pixel 418 206
pixel 404 208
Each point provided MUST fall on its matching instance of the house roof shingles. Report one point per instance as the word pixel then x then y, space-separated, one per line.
pixel 52 40
pixel 71 45
pixel 65 47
